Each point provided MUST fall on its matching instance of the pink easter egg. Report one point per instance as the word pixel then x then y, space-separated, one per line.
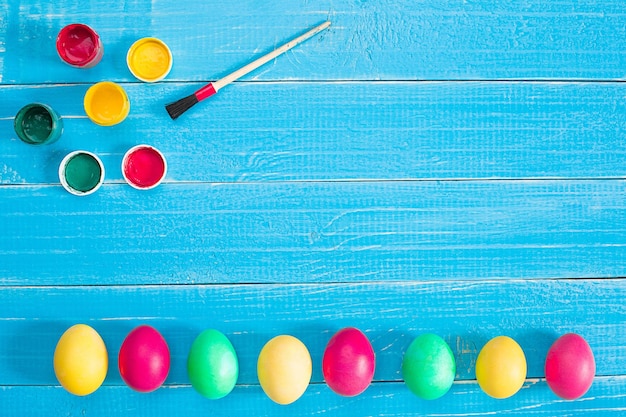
pixel 570 367
pixel 348 363
pixel 144 359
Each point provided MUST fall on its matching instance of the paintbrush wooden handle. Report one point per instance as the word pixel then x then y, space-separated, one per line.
pixel 265 59
pixel 178 107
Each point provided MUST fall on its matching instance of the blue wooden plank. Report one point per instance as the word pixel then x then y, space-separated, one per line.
pixel 606 398
pixel 313 232
pixel 355 173
pixel 341 131
pixel 380 39
pixel 466 314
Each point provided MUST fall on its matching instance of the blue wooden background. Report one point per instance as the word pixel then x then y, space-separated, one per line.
pixel 454 167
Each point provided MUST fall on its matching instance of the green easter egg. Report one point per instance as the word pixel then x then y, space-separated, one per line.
pixel 428 367
pixel 212 364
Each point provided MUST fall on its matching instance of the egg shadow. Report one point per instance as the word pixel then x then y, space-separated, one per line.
pixel 535 345
pixel 315 337
pixel 30 351
pixel 466 347
pixel 248 346
pixel 113 334
pixel 179 338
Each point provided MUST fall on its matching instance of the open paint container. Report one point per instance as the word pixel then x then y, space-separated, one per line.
pixel 38 124
pixel 149 59
pixel 144 167
pixel 79 46
pixel 106 103
pixel 81 173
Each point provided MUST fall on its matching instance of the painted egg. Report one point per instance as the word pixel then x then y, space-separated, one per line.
pixel 428 367
pixel 212 364
pixel 570 367
pixel 284 369
pixel 80 360
pixel 349 362
pixel 501 367
pixel 144 359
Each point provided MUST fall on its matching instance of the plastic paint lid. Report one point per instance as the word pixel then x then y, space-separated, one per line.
pixel 144 167
pixel 106 103
pixel 149 59
pixel 81 173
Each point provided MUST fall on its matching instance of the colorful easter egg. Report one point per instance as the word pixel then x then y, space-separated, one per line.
pixel 284 369
pixel 212 364
pixel 144 359
pixel 501 367
pixel 570 367
pixel 80 360
pixel 428 366
pixel 349 362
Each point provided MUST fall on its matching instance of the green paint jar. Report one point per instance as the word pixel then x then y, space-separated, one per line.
pixel 38 124
pixel 81 173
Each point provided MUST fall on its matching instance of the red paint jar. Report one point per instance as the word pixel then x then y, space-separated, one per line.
pixel 79 46
pixel 144 167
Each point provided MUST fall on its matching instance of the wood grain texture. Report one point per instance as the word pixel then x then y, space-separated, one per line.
pixel 341 131
pixel 454 167
pixel 605 398
pixel 369 40
pixel 466 314
pixel 313 232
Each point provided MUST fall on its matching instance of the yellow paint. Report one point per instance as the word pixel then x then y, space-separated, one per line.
pixel 106 103
pixel 501 367
pixel 284 369
pixel 80 360
pixel 149 59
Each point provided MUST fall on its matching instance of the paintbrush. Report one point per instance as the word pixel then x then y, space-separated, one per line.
pixel 177 108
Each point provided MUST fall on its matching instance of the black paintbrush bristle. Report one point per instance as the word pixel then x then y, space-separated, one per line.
pixel 177 108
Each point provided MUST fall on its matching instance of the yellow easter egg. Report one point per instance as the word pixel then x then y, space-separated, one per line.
pixel 80 360
pixel 501 367
pixel 284 369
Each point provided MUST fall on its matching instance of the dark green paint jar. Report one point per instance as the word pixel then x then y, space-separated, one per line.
pixel 38 124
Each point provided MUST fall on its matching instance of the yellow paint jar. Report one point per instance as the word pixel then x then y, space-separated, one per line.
pixel 149 59
pixel 106 103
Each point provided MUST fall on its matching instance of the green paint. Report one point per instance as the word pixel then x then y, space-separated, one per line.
pixel 428 367
pixel 82 172
pixel 37 124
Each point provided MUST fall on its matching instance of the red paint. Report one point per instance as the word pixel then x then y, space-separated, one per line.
pixel 205 92
pixel 79 45
pixel 144 167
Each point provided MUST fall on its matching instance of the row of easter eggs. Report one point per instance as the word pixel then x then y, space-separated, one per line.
pixel 284 364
